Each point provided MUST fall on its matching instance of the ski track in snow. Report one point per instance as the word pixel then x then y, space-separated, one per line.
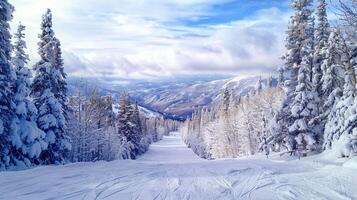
pixel 169 170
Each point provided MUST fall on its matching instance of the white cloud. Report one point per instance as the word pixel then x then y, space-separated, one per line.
pixel 144 38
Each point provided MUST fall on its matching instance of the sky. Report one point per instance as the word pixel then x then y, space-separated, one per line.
pixel 144 39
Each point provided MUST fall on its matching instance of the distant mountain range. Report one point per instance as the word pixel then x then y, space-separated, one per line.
pixel 175 98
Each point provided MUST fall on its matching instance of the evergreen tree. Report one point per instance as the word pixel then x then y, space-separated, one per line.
pixel 27 137
pixel 138 130
pixel 333 70
pixel 321 36
pixel 126 127
pixel 59 76
pixel 301 135
pixel 49 94
pixel 52 121
pixel 6 84
pixel 341 127
pixel 299 42
pixel 297 36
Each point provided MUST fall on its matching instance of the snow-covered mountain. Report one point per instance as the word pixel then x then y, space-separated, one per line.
pixel 182 101
pixel 176 98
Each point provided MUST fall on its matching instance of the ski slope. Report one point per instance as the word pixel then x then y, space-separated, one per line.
pixel 171 171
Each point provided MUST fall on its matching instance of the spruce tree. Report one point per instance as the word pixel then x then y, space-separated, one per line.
pixel 27 137
pixel 138 129
pixel 60 85
pixel 126 127
pixel 333 72
pixel 321 36
pixel 341 126
pixel 299 39
pixel 301 134
pixel 49 94
pixel 6 84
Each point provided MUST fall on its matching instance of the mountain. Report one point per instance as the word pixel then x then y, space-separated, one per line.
pixel 174 98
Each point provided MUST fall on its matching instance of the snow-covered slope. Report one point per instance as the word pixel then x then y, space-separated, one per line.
pixel 171 171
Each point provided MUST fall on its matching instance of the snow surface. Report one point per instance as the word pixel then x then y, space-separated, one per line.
pixel 169 170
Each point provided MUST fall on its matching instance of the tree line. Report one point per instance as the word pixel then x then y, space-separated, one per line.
pixel 102 129
pixel 236 127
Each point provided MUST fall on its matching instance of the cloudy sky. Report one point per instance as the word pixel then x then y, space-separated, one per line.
pixel 154 38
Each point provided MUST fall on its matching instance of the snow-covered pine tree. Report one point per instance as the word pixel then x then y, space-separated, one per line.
pixel 126 127
pixel 301 136
pixel 27 138
pixel 321 37
pixel 142 141
pixel 51 118
pixel 332 72
pixel 59 76
pixel 6 84
pixel 298 38
pixel 52 121
pixel 341 127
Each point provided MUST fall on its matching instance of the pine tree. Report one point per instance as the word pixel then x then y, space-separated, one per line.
pixel 296 39
pixel 299 39
pixel 341 127
pixel 60 85
pixel 126 127
pixel 48 94
pixel 27 137
pixel 303 109
pixel 321 36
pixel 333 70
pixel 138 130
pixel 6 84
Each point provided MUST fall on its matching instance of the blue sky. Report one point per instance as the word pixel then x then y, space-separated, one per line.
pixel 154 38
pixel 235 10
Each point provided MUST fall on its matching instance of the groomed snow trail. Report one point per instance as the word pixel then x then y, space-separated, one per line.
pixel 171 171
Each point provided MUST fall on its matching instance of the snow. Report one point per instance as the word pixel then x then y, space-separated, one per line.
pixel 169 170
